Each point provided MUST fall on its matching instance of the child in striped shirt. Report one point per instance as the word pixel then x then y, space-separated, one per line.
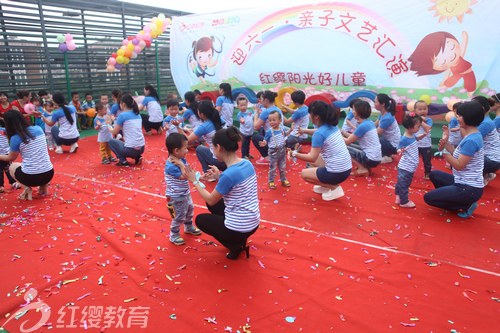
pixel 179 201
pixel 408 163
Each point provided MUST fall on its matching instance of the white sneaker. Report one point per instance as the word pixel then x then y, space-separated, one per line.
pixel 59 150
pixel 119 136
pixel 320 189
pixel 386 159
pixel 489 177
pixel 333 194
pixel 74 147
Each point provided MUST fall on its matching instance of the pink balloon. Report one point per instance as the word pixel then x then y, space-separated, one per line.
pixel 137 49
pixel 139 36
pixel 142 44
pixel 146 29
pixel 68 37
pixel 29 108
pixel 125 42
pixel 112 61
pixel 71 46
pixel 147 36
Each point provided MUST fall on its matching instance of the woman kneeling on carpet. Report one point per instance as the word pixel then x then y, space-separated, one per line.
pixel 233 203
pixel 464 188
pixel 29 141
pixel 329 157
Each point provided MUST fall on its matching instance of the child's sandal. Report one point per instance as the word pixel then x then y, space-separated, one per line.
pixel 272 186
pixel 286 183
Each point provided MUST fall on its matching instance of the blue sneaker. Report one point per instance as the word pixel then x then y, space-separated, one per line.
pixel 192 231
pixel 177 240
pixel 469 211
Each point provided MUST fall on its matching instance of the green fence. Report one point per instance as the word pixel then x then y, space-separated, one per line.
pixel 30 58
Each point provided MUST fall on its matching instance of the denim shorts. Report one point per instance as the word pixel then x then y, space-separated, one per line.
pixel 333 178
pixel 360 156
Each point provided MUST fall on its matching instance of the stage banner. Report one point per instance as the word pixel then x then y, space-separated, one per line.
pixel 440 48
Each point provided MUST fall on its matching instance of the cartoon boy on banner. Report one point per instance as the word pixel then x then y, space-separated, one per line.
pixel 202 57
pixel 441 52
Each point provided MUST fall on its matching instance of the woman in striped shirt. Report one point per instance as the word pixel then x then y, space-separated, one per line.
pixel 464 188
pixel 233 203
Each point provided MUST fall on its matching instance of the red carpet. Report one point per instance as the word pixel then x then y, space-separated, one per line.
pixel 97 246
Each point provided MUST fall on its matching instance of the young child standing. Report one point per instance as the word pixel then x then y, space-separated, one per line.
pixel 178 194
pixel 275 139
pixel 4 166
pixel 299 119
pixel 245 117
pixel 104 135
pixel 425 144
pixel 225 104
pixel 105 100
pixel 37 103
pixel 408 163
pixel 173 123
pixel 48 108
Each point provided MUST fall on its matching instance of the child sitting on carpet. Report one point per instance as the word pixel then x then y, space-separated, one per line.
pixel 173 123
pixel 275 139
pixel 179 201
pixel 409 160
pixel 104 135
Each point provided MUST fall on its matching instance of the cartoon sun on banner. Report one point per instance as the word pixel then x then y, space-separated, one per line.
pixel 448 9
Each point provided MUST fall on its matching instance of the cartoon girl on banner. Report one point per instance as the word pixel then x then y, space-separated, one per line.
pixel 203 53
pixel 441 52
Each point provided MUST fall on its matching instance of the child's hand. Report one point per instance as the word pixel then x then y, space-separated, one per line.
pixel 263 143
pixel 402 150
pixel 174 122
pixel 242 120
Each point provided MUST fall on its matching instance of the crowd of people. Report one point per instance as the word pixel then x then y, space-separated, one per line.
pixel 470 145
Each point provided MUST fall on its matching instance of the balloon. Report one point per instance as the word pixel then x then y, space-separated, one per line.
pixel 159 24
pixel 114 55
pixel 137 49
pixel 139 36
pixel 135 41
pixel 426 99
pixel 128 54
pixel 154 20
pixel 125 42
pixel 62 47
pixel 450 115
pixel 411 106
pixel 134 54
pixel 120 53
pixel 71 46
pixel 123 47
pixel 68 37
pixel 112 61
pixel 118 66
pixel 130 46
pixel 119 59
pixel 91 112
pixel 111 68
pixel 146 29
pixel 159 31
pixel 147 36
pixel 60 39
pixel 126 60
pixel 154 34
pixel 142 44
pixel 29 108
pixel 152 26
pixel 129 38
pixel 148 43
pixel 161 17
pixel 452 102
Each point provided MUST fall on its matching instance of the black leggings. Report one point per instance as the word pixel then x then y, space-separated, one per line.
pixel 213 224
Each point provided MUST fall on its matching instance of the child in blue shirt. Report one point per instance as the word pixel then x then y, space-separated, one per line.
pixel 299 118
pixel 104 135
pixel 275 139
pixel 408 163
pixel 245 117
pixel 425 144
pixel 48 108
pixel 455 134
pixel 350 121
pixel 38 102
pixel 4 165
pixel 179 201
pixel 173 123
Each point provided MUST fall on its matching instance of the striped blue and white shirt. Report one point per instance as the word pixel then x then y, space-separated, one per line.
pixel 265 115
pixel 103 134
pixel 472 173
pixel 276 141
pixel 35 155
pixel 456 136
pixel 238 186
pixel 206 131
pixel 301 119
pixel 368 140
pixel 171 128
pixel 333 149
pixel 191 117
pixel 175 187
pixel 491 140
pixel 409 158
pixel 66 129
pixel 227 109
pixel 154 109
pixel 246 128
pixel 496 121
pixel 390 125
pixel 350 117
pixel 426 141
pixel 4 143
pixel 132 129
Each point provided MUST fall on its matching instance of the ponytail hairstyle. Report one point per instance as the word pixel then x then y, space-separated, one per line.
pixel 130 103
pixel 326 112
pixel 152 92
pixel 59 99
pixel 483 101
pixel 190 96
pixel 494 99
pixel 410 120
pixel 16 123
pixel 388 103
pixel 226 87
pixel 22 93
pixel 48 102
pixel 269 95
pixel 117 93
pixel 206 107
pixel 227 138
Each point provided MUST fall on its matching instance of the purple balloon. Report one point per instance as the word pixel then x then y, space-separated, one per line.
pixel 63 47
pixel 135 41
pixel 118 66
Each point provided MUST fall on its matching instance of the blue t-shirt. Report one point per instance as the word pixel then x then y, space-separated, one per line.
pixel 456 136
pixel 227 109
pixel 115 110
pixel 246 128
pixel 368 140
pixel 66 129
pixel 350 117
pixel 175 187
pixel 472 173
pixel 4 143
pixel 35 155
pixel 426 141
pixel 171 128
pixel 154 109
pixel 491 140
pixel 301 119
pixel 191 117
pixel 132 129
pixel 206 130
pixel 333 149
pixel 496 121
pixel 409 158
pixel 103 134
pixel 276 141
pixel 47 126
pixel 238 186
pixel 265 115
pixel 390 125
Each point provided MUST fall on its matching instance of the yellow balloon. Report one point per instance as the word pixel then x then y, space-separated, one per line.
pixel 141 32
pixel 159 24
pixel 130 46
pixel 153 34
pixel 120 53
pixel 426 99
pixel 159 32
pixel 126 60
pixel 119 59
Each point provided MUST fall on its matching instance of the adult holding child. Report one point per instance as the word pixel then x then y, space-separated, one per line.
pixel 67 132
pixel 461 190
pixel 154 118
pixel 387 126
pixel 330 161
pixel 28 141
pixel 235 194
